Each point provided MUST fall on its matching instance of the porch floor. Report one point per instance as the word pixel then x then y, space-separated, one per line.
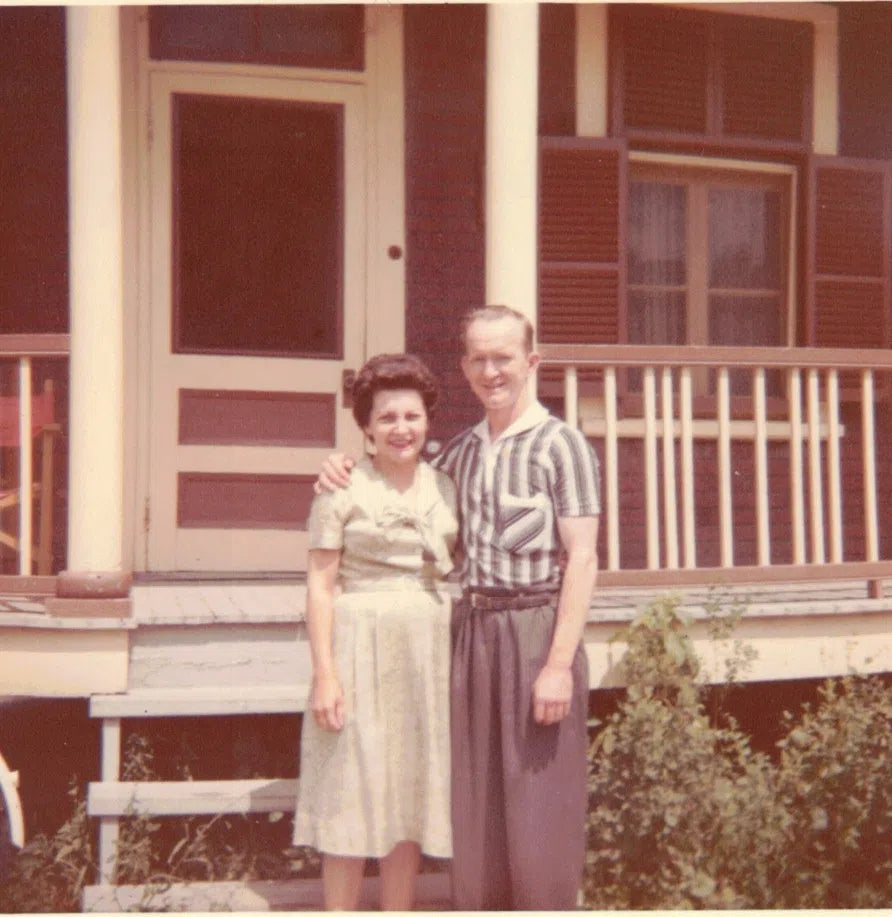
pixel 161 602
pixel 199 601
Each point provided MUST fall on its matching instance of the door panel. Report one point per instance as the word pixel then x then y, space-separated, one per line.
pixel 258 306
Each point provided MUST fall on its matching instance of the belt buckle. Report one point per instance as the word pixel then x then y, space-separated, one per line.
pixel 483 602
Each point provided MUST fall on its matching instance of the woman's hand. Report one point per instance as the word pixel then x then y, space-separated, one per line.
pixel 327 703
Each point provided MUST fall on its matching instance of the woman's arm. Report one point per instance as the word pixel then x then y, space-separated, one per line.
pixel 326 696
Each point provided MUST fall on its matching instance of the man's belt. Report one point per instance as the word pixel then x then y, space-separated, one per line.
pixel 506 599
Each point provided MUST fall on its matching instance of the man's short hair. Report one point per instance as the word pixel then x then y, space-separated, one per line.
pixel 494 313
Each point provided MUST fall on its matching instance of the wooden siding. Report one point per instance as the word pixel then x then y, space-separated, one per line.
pixel 34 166
pixel 445 130
pixel 557 76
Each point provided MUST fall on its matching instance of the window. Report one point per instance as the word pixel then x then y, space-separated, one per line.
pixel 708 257
pixel 258 203
pixel 312 35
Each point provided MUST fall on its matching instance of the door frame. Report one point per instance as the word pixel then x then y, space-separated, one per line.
pixel 385 226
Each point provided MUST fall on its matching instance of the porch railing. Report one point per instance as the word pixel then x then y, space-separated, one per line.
pixel 684 433
pixel 23 416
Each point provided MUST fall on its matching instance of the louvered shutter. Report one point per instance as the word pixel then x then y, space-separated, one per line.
pixel 766 77
pixel 581 204
pixel 664 65
pixel 848 256
pixel 581 252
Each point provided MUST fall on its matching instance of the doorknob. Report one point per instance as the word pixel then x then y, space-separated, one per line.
pixel 348 378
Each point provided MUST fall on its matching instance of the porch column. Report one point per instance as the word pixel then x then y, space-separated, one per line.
pixel 512 111
pixel 95 512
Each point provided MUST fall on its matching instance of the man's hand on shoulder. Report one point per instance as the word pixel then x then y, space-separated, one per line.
pixel 335 473
pixel 552 694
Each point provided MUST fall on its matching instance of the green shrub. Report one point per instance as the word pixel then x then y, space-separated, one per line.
pixel 835 780
pixel 678 806
pixel 683 813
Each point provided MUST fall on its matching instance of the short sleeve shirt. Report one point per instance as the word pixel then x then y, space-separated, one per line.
pixel 511 493
pixel 386 536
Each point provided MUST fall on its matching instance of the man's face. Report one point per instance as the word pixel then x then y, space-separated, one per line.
pixel 496 363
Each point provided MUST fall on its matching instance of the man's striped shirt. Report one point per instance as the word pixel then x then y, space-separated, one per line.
pixel 511 493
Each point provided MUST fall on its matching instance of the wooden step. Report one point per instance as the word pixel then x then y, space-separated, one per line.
pixel 191 797
pixel 432 892
pixel 201 701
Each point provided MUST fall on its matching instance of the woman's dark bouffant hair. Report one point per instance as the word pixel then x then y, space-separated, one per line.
pixel 386 373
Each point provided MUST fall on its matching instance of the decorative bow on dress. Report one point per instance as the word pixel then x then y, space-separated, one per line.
pixel 436 548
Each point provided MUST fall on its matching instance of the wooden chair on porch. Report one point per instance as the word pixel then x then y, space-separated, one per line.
pixel 43 431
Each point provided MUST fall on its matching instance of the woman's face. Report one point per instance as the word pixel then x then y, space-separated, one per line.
pixel 398 426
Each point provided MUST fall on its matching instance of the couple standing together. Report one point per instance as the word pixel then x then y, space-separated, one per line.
pixel 492 770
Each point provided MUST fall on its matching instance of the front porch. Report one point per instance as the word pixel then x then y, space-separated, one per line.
pixel 223 647
pixel 738 489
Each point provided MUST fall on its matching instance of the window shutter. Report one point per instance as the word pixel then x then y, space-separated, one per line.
pixel 581 252
pixel 766 76
pixel 849 254
pixel 664 67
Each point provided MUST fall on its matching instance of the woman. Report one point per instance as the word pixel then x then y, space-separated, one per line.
pixel 374 776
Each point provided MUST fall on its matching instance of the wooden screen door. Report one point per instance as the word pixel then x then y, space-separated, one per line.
pixel 258 307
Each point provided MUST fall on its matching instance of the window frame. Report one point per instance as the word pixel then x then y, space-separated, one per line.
pixel 715 171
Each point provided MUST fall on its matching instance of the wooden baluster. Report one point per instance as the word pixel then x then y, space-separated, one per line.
pixel 687 467
pixel 571 396
pixel 650 470
pixel 611 468
pixel 797 508
pixel 834 467
pixel 670 509
pixel 726 502
pixel 868 454
pixel 815 486
pixel 26 473
pixel 108 824
pixel 760 417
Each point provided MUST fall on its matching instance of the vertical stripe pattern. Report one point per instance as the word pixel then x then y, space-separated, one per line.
pixel 511 494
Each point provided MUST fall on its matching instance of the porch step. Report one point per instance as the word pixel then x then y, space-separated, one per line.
pixel 432 892
pixel 205 700
pixel 191 797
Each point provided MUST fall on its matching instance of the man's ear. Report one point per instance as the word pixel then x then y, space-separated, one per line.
pixel 533 359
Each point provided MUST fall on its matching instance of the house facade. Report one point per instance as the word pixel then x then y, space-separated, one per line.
pixel 214 214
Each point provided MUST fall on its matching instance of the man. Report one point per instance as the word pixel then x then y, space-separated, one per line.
pixel 528 493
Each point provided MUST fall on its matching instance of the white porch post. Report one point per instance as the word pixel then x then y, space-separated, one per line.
pixel 512 103
pixel 95 514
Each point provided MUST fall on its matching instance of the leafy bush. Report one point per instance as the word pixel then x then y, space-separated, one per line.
pixel 835 780
pixel 49 873
pixel 683 813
